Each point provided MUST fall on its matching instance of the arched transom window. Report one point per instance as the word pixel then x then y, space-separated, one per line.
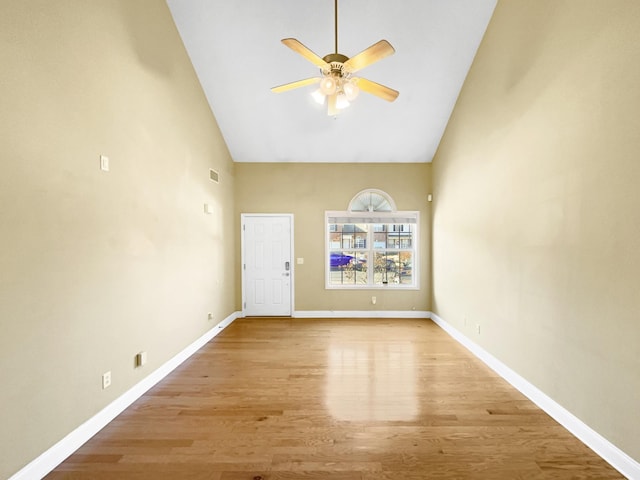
pixel 372 201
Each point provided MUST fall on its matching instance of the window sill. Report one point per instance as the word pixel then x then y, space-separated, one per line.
pixel 372 287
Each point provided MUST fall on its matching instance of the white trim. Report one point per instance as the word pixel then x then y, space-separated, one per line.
pixel 619 460
pixel 361 314
pixel 51 458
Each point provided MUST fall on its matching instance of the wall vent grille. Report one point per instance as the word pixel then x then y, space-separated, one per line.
pixel 214 175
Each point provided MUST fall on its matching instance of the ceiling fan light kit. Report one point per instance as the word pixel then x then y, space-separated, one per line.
pixel 338 87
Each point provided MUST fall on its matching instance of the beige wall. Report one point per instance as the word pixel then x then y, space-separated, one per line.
pixel 535 230
pixel 537 205
pixel 307 191
pixel 97 266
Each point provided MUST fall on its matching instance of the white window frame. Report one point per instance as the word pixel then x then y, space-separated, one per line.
pixel 373 218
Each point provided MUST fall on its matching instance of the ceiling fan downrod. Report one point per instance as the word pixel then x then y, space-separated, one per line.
pixel 335 60
pixel 335 8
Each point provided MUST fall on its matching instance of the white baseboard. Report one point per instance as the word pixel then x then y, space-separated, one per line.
pixel 608 451
pixel 361 314
pixel 51 458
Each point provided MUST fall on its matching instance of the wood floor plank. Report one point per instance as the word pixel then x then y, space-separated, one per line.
pixel 341 399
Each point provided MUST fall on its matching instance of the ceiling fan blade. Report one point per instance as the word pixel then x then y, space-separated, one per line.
pixel 374 53
pixel 386 93
pixel 300 83
pixel 299 48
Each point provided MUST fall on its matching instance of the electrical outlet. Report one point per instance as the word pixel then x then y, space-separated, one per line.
pixel 478 328
pixel 209 316
pixel 374 300
pixel 141 359
pixel 106 380
pixel 465 320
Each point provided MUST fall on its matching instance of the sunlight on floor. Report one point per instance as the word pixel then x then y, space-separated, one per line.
pixel 368 381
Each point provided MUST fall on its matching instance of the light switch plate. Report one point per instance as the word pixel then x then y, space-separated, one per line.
pixel 104 163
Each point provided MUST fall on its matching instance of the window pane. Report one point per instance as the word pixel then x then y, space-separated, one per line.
pixel 385 267
pixel 348 235
pixel 347 268
pixel 379 236
pixel 334 236
pixel 393 267
pixel 400 236
pixel 405 270
pixel 394 235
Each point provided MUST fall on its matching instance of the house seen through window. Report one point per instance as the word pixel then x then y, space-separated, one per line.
pixel 371 245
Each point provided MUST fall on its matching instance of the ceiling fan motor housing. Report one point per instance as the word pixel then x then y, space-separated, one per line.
pixel 336 62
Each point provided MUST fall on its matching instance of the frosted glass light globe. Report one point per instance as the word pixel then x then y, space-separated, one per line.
pixel 341 101
pixel 351 90
pixel 328 85
pixel 318 96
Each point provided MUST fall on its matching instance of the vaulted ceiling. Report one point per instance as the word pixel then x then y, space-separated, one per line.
pixel 236 51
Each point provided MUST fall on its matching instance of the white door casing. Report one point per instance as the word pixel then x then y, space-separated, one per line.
pixel 267 267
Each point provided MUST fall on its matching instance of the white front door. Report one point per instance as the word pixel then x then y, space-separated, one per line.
pixel 267 269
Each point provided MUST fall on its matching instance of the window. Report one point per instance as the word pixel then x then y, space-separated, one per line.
pixel 367 248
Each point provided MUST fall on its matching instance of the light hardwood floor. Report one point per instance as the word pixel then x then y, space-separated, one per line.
pixel 370 399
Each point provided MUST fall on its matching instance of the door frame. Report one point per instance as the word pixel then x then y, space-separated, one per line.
pixel 289 216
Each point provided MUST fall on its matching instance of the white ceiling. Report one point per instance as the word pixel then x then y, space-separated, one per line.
pixel 236 51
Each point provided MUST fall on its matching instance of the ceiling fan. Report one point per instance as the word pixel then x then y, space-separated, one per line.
pixel 338 86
